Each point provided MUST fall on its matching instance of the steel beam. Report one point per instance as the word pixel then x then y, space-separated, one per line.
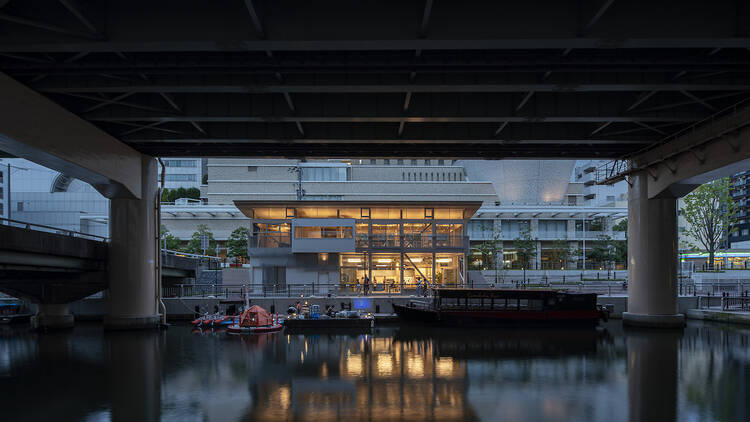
pixel 390 88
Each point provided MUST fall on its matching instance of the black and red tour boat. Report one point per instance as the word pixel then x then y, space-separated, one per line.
pixel 457 306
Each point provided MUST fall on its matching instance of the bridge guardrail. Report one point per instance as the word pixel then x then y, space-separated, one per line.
pixel 50 229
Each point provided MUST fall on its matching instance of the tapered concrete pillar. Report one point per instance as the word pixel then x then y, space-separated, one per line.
pixel 53 316
pixel 132 277
pixel 652 258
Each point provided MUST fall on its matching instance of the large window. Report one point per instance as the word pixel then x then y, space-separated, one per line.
pixel 180 163
pixel 324 174
pixel 180 177
pixel 323 233
pixel 270 236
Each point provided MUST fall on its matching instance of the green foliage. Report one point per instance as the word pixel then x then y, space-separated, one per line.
pixel 621 226
pixel 602 250
pixel 194 244
pixel 710 214
pixel 561 253
pixel 172 242
pixel 204 180
pixel 525 246
pixel 620 251
pixel 169 195
pixel 490 248
pixel 597 225
pixel 237 242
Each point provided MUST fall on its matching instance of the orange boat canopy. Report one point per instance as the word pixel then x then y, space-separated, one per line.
pixel 255 317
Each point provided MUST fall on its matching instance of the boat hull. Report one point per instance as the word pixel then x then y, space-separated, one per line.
pixel 237 329
pixel 582 317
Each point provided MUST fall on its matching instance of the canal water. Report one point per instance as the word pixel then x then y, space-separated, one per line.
pixel 390 374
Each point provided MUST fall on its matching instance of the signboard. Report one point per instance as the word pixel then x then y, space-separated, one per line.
pixel 361 304
pixel 204 242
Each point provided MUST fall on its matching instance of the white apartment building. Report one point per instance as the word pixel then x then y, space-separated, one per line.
pixel 598 195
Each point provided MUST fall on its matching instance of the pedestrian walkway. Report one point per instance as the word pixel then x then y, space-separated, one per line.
pixel 717 314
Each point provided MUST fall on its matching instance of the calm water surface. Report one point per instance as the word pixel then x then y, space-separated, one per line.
pixel 409 374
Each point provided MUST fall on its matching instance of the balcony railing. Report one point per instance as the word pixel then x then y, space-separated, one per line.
pixel 384 241
pixel 550 235
pixel 283 240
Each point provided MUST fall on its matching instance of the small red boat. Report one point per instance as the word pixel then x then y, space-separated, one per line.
pixel 203 321
pixel 255 320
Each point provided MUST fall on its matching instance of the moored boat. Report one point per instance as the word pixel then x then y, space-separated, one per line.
pixel 255 320
pixel 480 307
pixel 225 320
pixel 203 321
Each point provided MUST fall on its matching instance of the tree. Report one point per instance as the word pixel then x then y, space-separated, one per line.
pixel 710 214
pixel 169 195
pixel 237 242
pixel 602 250
pixel 525 246
pixel 194 244
pixel 561 252
pixel 621 246
pixel 490 249
pixel 172 242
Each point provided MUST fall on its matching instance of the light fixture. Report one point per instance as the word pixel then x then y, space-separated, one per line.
pixel 384 260
pixel 444 260
pixel 353 260
pixel 416 259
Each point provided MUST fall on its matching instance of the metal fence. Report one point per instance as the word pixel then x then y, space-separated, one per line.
pixel 741 303
pixel 377 290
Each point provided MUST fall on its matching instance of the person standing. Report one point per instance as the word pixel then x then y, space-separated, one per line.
pixel 367 285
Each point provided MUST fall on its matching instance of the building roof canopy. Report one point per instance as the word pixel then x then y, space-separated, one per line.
pixel 443 210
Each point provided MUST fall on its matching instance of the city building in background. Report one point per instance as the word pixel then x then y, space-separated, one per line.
pixel 4 173
pixel 598 195
pixel 740 238
pixel 182 172
pixel 39 195
pixel 536 196
pixel 540 198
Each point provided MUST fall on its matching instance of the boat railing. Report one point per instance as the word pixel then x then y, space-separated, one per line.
pixel 419 304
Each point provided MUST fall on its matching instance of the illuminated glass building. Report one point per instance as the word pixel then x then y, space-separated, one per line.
pixel 394 244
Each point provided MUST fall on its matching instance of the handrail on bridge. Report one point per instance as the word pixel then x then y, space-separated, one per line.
pixel 188 255
pixel 51 229
pixel 616 170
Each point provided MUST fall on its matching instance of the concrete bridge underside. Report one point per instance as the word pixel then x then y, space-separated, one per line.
pixel 95 90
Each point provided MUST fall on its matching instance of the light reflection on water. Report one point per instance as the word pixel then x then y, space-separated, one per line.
pixel 409 374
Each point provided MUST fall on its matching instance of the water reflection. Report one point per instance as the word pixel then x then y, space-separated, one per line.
pixel 390 374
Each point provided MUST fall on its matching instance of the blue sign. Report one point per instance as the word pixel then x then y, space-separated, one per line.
pixel 361 304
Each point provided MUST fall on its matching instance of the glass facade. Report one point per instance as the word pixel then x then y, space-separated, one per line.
pixel 394 247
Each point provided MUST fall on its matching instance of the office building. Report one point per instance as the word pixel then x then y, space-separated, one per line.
pixel 182 172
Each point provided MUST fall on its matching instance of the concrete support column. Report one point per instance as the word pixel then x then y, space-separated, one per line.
pixel 132 276
pixel 53 316
pixel 652 258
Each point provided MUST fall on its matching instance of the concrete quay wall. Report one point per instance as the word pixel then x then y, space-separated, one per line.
pixel 183 308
